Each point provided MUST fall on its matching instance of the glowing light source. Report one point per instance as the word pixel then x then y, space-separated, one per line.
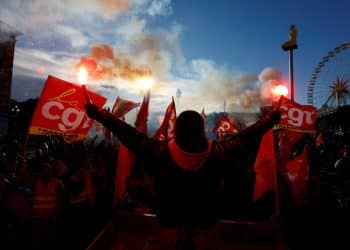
pixel 82 75
pixel 279 90
pixel 145 83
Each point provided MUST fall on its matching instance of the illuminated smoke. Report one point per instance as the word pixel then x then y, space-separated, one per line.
pixel 245 92
pixel 104 64
pixel 238 92
pixel 112 8
pixel 268 79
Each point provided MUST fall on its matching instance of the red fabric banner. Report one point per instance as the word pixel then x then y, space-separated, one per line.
pixel 265 166
pixel 297 117
pixel 167 128
pixel 60 110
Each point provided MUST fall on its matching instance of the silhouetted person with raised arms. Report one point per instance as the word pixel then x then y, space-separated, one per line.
pixel 186 170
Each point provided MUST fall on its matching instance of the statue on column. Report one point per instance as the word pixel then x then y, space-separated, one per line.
pixel 292 42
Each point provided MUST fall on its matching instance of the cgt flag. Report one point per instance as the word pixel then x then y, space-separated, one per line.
pixel 60 110
pixel 225 126
pixel 296 117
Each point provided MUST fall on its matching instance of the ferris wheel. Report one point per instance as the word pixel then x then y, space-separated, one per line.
pixel 329 86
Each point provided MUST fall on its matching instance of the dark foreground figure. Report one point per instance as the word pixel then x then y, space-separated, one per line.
pixel 186 170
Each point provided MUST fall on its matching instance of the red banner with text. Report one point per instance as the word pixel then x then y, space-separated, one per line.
pixel 60 110
pixel 297 117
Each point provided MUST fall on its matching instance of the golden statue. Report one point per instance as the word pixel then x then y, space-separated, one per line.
pixel 292 42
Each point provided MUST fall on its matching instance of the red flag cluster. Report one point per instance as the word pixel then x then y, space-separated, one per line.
pixel 295 121
pixel 165 131
pixel 125 157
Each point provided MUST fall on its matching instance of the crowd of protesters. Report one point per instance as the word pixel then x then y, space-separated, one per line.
pixel 57 197
pixel 60 195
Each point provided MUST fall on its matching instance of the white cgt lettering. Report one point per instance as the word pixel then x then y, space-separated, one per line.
pixel 68 124
pixel 296 116
pixel 70 118
pixel 46 110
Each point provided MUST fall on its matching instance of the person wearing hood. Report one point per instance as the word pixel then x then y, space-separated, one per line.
pixel 187 170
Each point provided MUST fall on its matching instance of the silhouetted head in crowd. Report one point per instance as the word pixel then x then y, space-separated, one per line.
pixel 189 132
pixel 46 171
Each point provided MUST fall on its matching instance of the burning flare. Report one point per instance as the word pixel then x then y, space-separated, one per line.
pixel 279 90
pixel 82 75
pixel 145 83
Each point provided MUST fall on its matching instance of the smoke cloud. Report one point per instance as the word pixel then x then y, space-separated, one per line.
pixel 112 8
pixel 245 92
pixel 269 78
pixel 104 64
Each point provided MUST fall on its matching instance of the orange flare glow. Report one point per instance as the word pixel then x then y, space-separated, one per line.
pixel 279 90
pixel 145 83
pixel 82 75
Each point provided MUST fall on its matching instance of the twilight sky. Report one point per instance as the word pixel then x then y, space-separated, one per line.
pixel 203 53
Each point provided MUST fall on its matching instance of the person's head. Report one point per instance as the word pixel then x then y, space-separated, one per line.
pixel 39 153
pixel 46 171
pixel 189 132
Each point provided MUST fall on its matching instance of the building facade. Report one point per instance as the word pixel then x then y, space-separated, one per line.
pixel 7 48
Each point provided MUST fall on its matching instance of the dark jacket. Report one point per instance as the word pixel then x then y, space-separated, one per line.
pixel 185 195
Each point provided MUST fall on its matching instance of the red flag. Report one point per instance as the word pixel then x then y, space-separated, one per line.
pixel 60 110
pixel 296 117
pixel 296 173
pixel 225 126
pixel 142 116
pixel 265 166
pixel 122 171
pixel 167 128
pixel 123 106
